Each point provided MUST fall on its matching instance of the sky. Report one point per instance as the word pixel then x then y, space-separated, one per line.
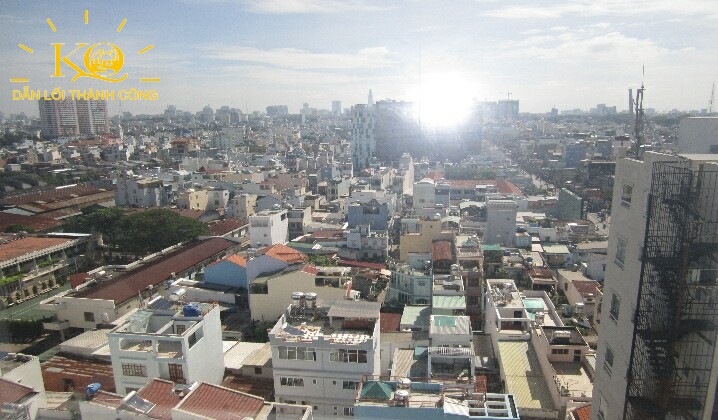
pixel 249 54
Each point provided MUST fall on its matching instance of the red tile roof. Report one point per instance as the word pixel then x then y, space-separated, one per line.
pixel 508 187
pixel 216 402
pixel 37 223
pixel 55 194
pixel 582 413
pixel 12 392
pixel 585 287
pixel 326 234
pixel 107 399
pixel 122 288
pixel 226 226
pixel 389 322
pixel 20 247
pixel 310 269
pixel 161 393
pixel 284 253
pixel 468 183
pixel 80 371
pixel 442 250
pixel 79 278
pixel 236 259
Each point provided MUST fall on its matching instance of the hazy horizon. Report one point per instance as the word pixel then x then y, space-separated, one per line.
pixel 251 54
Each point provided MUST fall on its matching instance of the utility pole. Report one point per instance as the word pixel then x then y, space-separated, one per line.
pixel 640 123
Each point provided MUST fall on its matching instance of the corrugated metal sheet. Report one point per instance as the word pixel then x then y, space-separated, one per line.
pixel 160 392
pixel 216 402
pixel 449 302
pixel 123 288
pixel 523 375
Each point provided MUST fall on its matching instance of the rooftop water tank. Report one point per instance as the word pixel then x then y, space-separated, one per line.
pixel 92 389
pixel 191 310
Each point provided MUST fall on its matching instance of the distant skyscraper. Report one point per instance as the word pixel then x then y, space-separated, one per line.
pixel 207 114
pixel 70 117
pixel 336 107
pixel 275 111
pixel 363 140
pixel 370 101
pixel 656 356
pixel 397 130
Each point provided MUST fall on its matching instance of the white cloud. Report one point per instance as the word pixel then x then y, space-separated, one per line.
pixel 581 47
pixel 531 32
pixel 366 58
pixel 697 8
pixel 307 6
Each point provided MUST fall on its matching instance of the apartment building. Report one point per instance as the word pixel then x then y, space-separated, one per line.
pixel 394 398
pixel 168 340
pixel 656 353
pixel 268 227
pixel 320 353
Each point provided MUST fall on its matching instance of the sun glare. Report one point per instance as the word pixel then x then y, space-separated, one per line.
pixel 444 99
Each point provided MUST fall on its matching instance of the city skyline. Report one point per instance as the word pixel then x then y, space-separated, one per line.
pixel 568 54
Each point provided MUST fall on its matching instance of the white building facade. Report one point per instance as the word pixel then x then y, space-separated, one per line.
pixel 268 227
pixel 322 366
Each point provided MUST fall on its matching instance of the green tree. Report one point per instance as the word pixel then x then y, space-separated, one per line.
pixel 258 332
pixel 322 260
pixel 14 228
pixel 108 222
pixel 153 230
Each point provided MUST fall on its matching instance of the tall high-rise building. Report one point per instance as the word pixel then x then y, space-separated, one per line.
pixel 397 130
pixel 92 116
pixel 363 140
pixel 336 107
pixel 656 356
pixel 277 111
pixel 70 117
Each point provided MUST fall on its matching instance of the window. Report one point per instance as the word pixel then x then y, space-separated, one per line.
pixel 350 385
pixel 608 362
pixel 348 411
pixel 89 317
pixel 257 370
pixel 602 409
pixel 180 329
pixel 348 356
pixel 291 381
pixel 134 369
pixel 176 373
pixel 615 307
pixel 626 195
pixel 559 351
pixel 621 251
pixel 297 353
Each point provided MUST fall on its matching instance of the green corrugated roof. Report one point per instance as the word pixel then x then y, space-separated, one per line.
pixel 491 247
pixel 444 321
pixel 376 390
pixel 449 302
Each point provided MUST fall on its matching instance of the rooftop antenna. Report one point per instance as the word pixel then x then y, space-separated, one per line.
pixel 712 100
pixel 640 122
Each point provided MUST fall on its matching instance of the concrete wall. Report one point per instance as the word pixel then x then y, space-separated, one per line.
pixel 628 221
pixel 272 305
pixel 226 273
pixel 698 135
